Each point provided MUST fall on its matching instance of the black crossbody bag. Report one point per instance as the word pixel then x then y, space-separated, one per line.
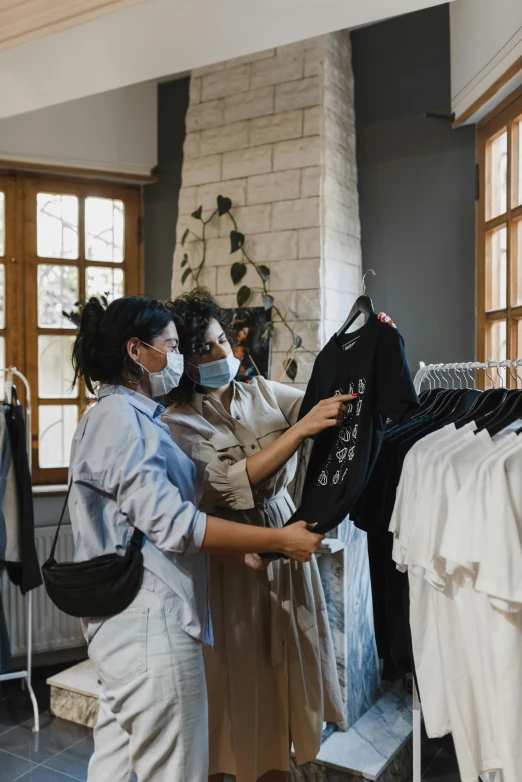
pixel 101 586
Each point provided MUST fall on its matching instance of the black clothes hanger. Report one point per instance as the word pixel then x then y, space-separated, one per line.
pixel 363 306
pixel 509 411
pixel 435 398
pixel 428 398
pixel 444 401
pixel 485 405
pixel 459 406
pixel 455 405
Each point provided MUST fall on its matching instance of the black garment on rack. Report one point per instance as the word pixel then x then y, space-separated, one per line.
pixel 6 657
pixel 373 510
pixel 390 591
pixel 390 587
pixel 25 574
pixel 372 363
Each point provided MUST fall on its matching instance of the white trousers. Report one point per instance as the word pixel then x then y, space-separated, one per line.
pixel 153 711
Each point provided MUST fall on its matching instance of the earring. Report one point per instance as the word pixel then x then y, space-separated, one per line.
pixel 135 382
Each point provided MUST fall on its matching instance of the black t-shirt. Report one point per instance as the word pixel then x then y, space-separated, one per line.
pixel 372 363
pixel 372 506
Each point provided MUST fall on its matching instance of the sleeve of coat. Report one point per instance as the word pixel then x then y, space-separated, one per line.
pixel 221 471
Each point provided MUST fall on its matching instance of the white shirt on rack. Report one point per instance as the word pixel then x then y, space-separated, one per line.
pixel 462 617
pixel 414 498
pixel 499 571
pixel 410 488
pixel 460 545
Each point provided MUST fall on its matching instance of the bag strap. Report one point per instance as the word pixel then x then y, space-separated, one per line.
pixel 136 541
pixel 55 541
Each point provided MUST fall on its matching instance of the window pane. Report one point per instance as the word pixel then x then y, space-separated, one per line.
pixel 57 291
pixel 519 339
pixel 517 173
pixel 104 229
pixel 57 226
pixel 2 364
pixel 55 373
pixel 103 280
pixel 496 179
pixel 2 223
pixel 496 269
pixel 2 296
pixel 496 350
pixel 516 265
pixel 56 428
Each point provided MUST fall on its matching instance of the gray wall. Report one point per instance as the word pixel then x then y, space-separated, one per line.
pixel 416 185
pixel 161 199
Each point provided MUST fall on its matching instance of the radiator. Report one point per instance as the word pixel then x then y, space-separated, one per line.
pixel 52 629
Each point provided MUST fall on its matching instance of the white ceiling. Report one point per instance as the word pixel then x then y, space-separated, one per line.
pixel 161 37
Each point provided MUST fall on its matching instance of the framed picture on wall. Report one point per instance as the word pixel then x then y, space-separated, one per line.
pixel 252 348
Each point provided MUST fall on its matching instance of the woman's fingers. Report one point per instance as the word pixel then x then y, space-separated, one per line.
pixel 385 319
pixel 255 562
pixel 340 398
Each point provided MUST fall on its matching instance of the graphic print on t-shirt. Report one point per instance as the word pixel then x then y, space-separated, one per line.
pixel 347 434
pixel 374 367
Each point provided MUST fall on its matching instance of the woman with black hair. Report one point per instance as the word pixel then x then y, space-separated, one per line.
pixel 271 676
pixel 126 472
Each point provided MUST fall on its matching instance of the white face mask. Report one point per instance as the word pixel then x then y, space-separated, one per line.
pixel 215 374
pixel 168 378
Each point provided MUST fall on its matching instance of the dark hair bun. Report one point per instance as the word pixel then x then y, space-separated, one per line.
pixel 92 317
pixel 100 350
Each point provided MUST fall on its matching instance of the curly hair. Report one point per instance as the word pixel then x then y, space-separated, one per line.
pixel 192 314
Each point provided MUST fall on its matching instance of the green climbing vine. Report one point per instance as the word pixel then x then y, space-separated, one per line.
pixel 238 269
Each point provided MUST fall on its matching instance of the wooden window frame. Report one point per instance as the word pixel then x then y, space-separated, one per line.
pixel 21 265
pixel 503 117
pixel 14 298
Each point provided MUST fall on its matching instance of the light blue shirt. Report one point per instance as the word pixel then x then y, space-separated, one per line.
pixel 127 471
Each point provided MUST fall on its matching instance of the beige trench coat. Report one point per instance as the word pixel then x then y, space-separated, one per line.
pixel 271 674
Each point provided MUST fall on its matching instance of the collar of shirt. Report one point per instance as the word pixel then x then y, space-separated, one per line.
pixel 142 403
pixel 198 399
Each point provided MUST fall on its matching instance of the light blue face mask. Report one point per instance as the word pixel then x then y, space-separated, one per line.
pixel 218 373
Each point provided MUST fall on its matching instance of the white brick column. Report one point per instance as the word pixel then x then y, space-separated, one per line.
pixel 275 133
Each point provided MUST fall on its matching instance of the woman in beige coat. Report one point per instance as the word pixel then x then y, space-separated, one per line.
pixel 271 674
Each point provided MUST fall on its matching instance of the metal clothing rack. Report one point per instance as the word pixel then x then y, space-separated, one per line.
pixel 463 375
pixel 462 372
pixel 10 373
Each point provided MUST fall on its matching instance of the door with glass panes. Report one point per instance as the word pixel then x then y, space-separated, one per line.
pixel 62 241
pixel 499 239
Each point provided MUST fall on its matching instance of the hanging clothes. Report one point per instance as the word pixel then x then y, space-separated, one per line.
pixel 372 513
pixel 457 536
pixel 370 362
pixel 9 506
pixel 6 657
pixel 27 576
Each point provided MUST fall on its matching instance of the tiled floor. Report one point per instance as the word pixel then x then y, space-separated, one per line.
pixel 61 750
